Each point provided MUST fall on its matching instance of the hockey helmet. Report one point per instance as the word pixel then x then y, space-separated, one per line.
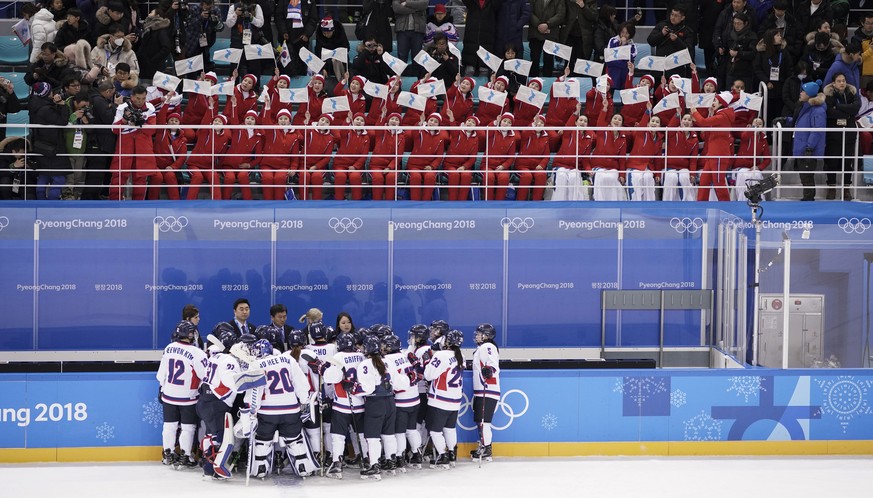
pixel 261 348
pixel 454 338
pixel 485 332
pixel 438 328
pixel 346 342
pixel 390 344
pixel 185 332
pixel 418 334
pixel 317 331
pixel 372 345
pixel 296 338
pixel 331 334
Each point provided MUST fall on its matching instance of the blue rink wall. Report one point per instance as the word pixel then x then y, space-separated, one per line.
pixel 114 276
pixel 116 416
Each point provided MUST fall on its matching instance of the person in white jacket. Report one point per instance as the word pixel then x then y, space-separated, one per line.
pixel 42 28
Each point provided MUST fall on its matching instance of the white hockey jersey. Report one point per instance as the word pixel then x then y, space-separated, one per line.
pixel 446 384
pixel 486 355
pixel 398 363
pixel 287 385
pixel 182 368
pixel 345 402
pixel 323 351
pixel 220 372
pixel 374 384
pixel 419 353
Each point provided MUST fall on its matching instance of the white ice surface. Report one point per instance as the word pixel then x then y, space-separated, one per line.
pixel 612 477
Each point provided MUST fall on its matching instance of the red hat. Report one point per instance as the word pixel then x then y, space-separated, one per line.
pixel 504 79
pixel 358 115
pixel 223 118
pixel 174 115
pixel 328 116
pixel 251 77
pixel 439 8
pixel 649 78
pixel 507 115
pixel 725 98
pixel 252 114
pixel 318 77
pixel 211 76
pixel 285 78
pixel 284 112
pixel 392 79
pixel 609 80
pixel 471 81
pixel 540 117
pixel 360 79
pixel 438 116
pixel 536 80
pixel 395 114
pixel 475 120
pixel 711 80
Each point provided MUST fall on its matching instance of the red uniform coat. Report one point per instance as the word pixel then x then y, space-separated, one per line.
pixel 413 116
pixel 594 105
pixel 487 112
pixel 317 150
pixel 245 102
pixel 357 102
pixel 313 106
pixel 575 149
pixel 754 150
pixel 648 148
pixel 610 148
pixel 461 105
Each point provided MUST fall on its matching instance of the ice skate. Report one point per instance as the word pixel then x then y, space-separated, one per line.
pixel 483 452
pixel 415 461
pixel 442 462
pixel 335 470
pixel 400 464
pixel 373 473
pixel 387 464
pixel 169 457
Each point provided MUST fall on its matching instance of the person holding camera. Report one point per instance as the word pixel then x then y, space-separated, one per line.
pixel 50 67
pixel 204 23
pixel 671 36
pixel 245 20
pixel 134 152
pixel 16 179
pixel 76 140
pixel 101 141
pixel 48 108
pixel 9 103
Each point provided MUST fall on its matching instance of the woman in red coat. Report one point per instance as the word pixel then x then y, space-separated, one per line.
pixel 752 158
pixel 237 162
pixel 609 158
pixel 388 104
pixel 595 99
pixel 646 156
pixel 317 150
pixel 459 99
pixel 276 83
pixel 211 144
pixel 573 159
pixel 246 97
pixel 633 113
pixel 355 94
pixel 561 108
pixel 171 149
pixel 351 156
pixel 428 149
pixel 533 157
pixel 461 157
pixel 500 157
pixel 280 153
pixel 487 113
pixel 312 108
pixel 197 106
pixel 682 146
pixel 719 147
pixel 387 150
pixel 414 117
pixel 524 112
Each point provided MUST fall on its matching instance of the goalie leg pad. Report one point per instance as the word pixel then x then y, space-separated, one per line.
pixel 221 466
pixel 263 459
pixel 301 456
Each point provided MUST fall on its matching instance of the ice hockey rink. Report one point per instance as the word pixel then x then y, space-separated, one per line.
pixel 675 477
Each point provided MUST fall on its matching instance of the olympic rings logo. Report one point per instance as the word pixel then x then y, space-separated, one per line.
pixel 735 222
pixel 517 224
pixel 686 225
pixel 502 405
pixel 171 223
pixel 854 225
pixel 4 222
pixel 345 225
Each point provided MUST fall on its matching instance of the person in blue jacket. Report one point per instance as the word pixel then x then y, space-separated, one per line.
pixel 809 145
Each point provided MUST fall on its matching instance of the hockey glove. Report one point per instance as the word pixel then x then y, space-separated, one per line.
pixel 425 358
pixel 413 360
pixel 248 422
pixel 487 372
pixel 315 364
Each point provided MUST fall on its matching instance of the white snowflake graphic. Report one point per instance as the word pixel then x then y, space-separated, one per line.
pixel 640 389
pixel 845 398
pixel 549 421
pixel 677 398
pixel 153 414
pixel 105 432
pixel 702 427
pixel 745 386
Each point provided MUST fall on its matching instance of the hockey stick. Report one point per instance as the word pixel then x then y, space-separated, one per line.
pixel 254 397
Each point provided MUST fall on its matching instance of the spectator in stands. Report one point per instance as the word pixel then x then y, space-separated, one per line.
pixel 9 103
pixel 671 36
pixel 820 54
pixel 461 154
pixel 753 156
pixel 459 100
pixel 428 150
pixel 410 20
pixel 236 163
pixel 479 31
pixel 865 138
pixel 515 80
pixel 500 161
pixel 375 21
pixel 546 19
pixel 89 15
pixel 76 140
pixel 786 23
pixel 864 34
pixel 388 149
pixel 533 157
pixel 15 176
pixel 725 32
pixel 79 58
pixel 157 39
pixel 811 13
pixel 268 7
pixel 204 22
pixel 296 26
pixel 643 158
pixel 134 153
pixel 171 149
pixel 604 29
pixel 681 149
pixel 319 144
pixel 773 66
pixel 52 67
pixel 448 70
pixel 578 29
pixel 512 16
pixel 441 21
pixel 842 104
pixel 210 144
pixel 112 49
pixel 330 38
pixel 609 156
pixel 848 63
pixel 70 87
pixel 739 55
pixel 101 141
pixel 791 88
pixel 57 9
pixel 369 63
pixel 48 108
pixel 246 20
pixel 73 29
pixel 618 69
pixel 809 144
pixel 718 147
pixel 710 10
pixel 124 79
pixel 112 14
pixel 351 157
pixel 280 156
pixel 42 28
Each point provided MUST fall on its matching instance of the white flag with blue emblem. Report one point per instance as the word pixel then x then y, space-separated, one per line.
pixel 376 90
pixel 225 88
pixel 566 89
pixel 492 96
pixel 490 60
pixel 518 66
pixel 634 95
pixel 165 81
pixel 340 54
pixel 530 96
pixel 866 121
pixel 264 51
pixel 621 53
pixel 408 99
pixel 396 65
pixel 229 55
pixel 335 104
pixel 683 85
pixel 750 101
pixel 197 86
pixel 558 49
pixel 311 60
pixel 669 102
pixel 431 88
pixel 651 63
pixel 426 61
pixel 455 51
pixel 588 68
pixel 189 65
pixel 677 59
pixel 699 100
pixel 293 95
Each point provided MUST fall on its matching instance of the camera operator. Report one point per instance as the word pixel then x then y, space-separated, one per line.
pixel 9 103
pixel 76 141
pixel 204 22
pixel 16 179
pixel 101 141
pixel 296 22
pixel 246 19
pixel 671 36
pixel 134 152
pixel 48 108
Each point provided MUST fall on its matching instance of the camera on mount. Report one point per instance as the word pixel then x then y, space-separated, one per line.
pixel 755 189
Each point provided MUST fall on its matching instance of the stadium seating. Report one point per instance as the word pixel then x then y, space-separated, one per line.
pixel 12 52
pixel 19 118
pixel 220 44
pixel 22 91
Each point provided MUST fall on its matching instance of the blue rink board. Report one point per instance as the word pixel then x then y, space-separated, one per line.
pixel 121 409
pixel 116 275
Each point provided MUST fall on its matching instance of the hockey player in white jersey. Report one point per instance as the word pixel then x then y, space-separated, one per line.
pixel 486 387
pixel 347 411
pixel 438 330
pixel 183 365
pixel 319 422
pixel 418 354
pixel 406 401
pixel 444 371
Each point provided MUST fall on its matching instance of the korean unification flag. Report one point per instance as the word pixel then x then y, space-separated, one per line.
pixel 285 55
pixel 340 54
pixel 165 81
pixel 566 89
pixel 634 95
pixel 22 30
pixel 225 88
pixel 699 100
pixel 396 65
pixel 621 53
pixel 558 50
pixel 311 60
pixel 518 66
pixel 293 95
pixel 492 96
pixel 265 94
pixel 866 121
pixel 490 60
pixel 431 89
pixel 455 50
pixel 189 65
pixel 264 51
pixel 683 85
pixel 412 100
pixel 229 55
pixel 335 104
pixel 750 101
pixel 376 90
pixel 651 63
pixel 197 86
pixel 677 59
pixel 426 61
pixel 530 96
pixel 601 84
pixel 669 102
pixel 588 68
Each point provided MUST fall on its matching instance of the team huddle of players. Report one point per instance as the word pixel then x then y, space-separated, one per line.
pixel 300 407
